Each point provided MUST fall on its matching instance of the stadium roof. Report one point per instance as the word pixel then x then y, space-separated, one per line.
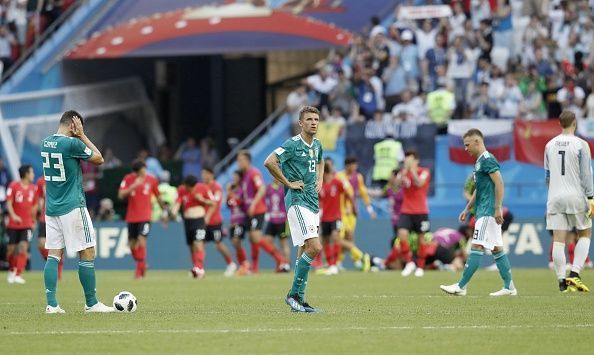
pixel 136 28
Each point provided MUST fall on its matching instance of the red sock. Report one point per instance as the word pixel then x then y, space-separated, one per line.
pixel 337 249
pixel 60 268
pixel 21 262
pixel 44 253
pixel 255 256
pixel 270 249
pixel 198 258
pixel 241 258
pixel 551 251
pixel 421 255
pixel 570 251
pixel 12 262
pixel 405 250
pixel 317 261
pixel 228 259
pixel 330 256
pixel 134 252
pixel 393 256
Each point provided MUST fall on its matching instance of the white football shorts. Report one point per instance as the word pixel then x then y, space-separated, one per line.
pixel 487 233
pixel 566 222
pixel 303 224
pixel 73 231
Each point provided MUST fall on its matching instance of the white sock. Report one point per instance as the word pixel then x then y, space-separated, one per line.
pixel 582 248
pixel 559 259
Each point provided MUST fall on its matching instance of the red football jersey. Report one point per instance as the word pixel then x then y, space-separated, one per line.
pixel 252 181
pixel 330 199
pixel 139 201
pixel 23 200
pixel 186 199
pixel 415 197
pixel 202 190
pixel 40 185
pixel 215 193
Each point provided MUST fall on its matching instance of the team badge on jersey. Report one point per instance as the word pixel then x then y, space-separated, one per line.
pixel 311 153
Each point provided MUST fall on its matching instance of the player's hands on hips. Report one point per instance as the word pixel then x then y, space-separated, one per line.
pixel 297 185
pixel 76 127
pixel 463 215
pixel 499 215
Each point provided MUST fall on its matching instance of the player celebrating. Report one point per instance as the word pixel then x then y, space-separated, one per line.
pixel 214 219
pixel 568 166
pixel 488 198
pixel 349 206
pixel 238 218
pixel 277 217
pixel 414 181
pixel 40 189
pixel 67 220
pixel 138 188
pixel 254 191
pixel 21 203
pixel 301 170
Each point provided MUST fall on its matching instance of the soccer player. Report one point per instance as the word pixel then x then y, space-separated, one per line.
pixel 254 192
pixel 214 219
pixel 349 206
pixel 568 167
pixel 138 188
pixel 192 199
pixel 21 203
pixel 488 201
pixel 395 195
pixel 299 166
pixel 237 221
pixel 414 217
pixel 277 217
pixel 68 224
pixel 333 191
pixel 40 190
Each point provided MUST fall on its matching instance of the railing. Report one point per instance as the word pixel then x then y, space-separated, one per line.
pixel 39 40
pixel 247 141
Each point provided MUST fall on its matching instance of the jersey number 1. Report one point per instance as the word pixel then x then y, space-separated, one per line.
pixel 562 153
pixel 59 166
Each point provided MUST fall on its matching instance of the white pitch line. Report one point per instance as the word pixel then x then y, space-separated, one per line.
pixel 291 330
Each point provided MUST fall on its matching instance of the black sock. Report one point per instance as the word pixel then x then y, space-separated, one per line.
pixel 562 285
pixel 574 274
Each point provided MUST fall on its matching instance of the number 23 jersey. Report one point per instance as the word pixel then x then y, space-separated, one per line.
pixel 61 157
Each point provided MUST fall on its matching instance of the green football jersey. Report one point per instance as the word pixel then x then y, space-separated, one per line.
pixel 484 204
pixel 299 161
pixel 61 157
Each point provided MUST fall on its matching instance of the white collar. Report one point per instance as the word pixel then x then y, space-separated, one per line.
pixel 304 142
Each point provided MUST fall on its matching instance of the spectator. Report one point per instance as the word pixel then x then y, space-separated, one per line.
pixel 366 96
pixel 6 42
pixel 297 99
pixel 409 109
pixel 533 108
pixel 394 79
pixel 191 158
pixel 336 117
pixel 571 97
pixel 51 10
pixel 457 20
pixel 164 153
pixel 480 10
pixel 4 182
pixel 106 212
pixel 340 96
pixel 482 106
pixel 435 56
pixel 153 166
pixel 550 95
pixel 322 83
pixel 440 106
pixel 379 49
pixel 533 77
pixel 461 67
pixel 503 31
pixel 426 37
pixel 110 160
pixel 408 57
pixel 210 156
pixel 534 30
pixel 511 98
pixel 590 106
pixel 484 37
pixel 16 17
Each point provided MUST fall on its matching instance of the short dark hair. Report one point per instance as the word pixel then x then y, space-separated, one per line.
pixel 208 169
pixel 190 181
pixel 246 153
pixel 412 153
pixel 238 173
pixel 137 165
pixel 350 160
pixel 473 132
pixel 24 169
pixel 308 109
pixel 68 116
pixel 566 118
pixel 328 159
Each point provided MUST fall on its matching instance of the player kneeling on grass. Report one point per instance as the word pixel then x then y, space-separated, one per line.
pixel 568 166
pixel 67 219
pixel 488 198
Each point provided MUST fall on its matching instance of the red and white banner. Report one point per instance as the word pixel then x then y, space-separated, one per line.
pixel 497 133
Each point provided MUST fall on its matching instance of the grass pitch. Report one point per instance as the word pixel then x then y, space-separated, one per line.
pixel 378 313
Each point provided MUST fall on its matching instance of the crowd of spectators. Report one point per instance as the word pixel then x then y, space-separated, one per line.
pixel 22 22
pixel 509 59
